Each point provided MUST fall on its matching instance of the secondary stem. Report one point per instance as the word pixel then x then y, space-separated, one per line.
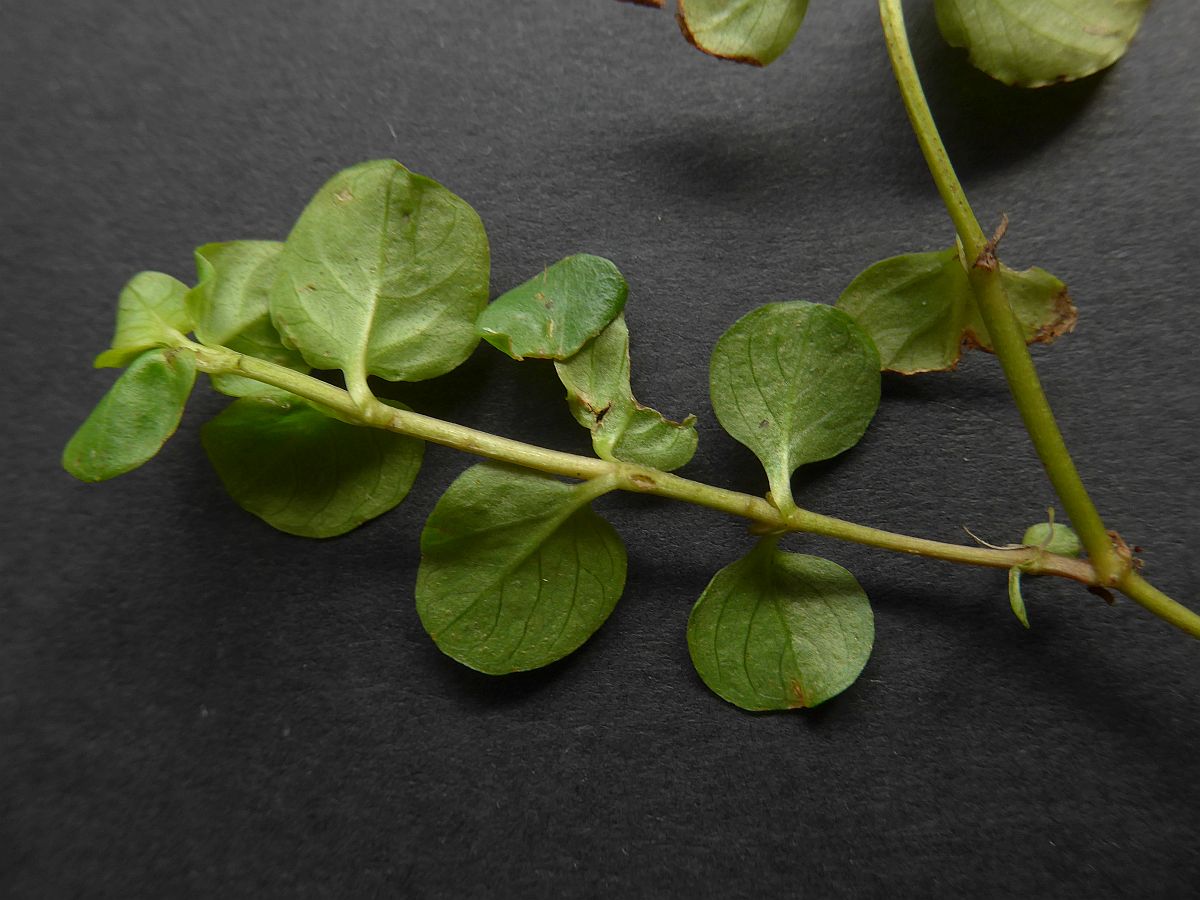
pixel 625 476
pixel 991 298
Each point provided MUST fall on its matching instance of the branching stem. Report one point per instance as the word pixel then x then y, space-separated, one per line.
pixel 1003 328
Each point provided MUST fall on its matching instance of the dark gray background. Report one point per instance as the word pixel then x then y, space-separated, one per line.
pixel 194 705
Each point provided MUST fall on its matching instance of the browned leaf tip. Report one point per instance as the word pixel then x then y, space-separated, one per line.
pixel 1066 316
pixel 691 39
pixel 657 4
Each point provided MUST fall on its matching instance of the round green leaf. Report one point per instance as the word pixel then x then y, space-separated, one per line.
pixel 304 472
pixel 920 311
pixel 796 383
pixel 554 314
pixel 601 399
pixel 516 569
pixel 151 312
pixel 778 630
pixel 134 419
pixel 1054 538
pixel 1032 43
pixel 748 31
pixel 230 307
pixel 384 274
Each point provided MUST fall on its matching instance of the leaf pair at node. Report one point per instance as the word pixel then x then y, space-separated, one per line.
pixel 1027 43
pixel 920 310
pixel 384 274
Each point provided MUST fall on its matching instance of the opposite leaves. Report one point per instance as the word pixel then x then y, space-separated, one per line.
pixel 920 310
pixel 796 383
pixel 134 419
pixel 1032 43
pixel 780 630
pixel 304 472
pixel 516 569
pixel 384 274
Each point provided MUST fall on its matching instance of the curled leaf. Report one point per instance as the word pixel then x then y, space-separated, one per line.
pixel 135 418
pixel 779 630
pixel 151 312
pixel 601 399
pixel 920 311
pixel 516 571
pixel 1015 601
pixel 796 383
pixel 384 274
pixel 552 315
pixel 230 306
pixel 1032 43
pixel 304 472
pixel 748 31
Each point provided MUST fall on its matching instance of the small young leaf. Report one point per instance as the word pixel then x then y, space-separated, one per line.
pixel 516 569
pixel 920 311
pixel 796 383
pixel 601 399
pixel 778 630
pixel 150 313
pixel 230 307
pixel 748 31
pixel 554 314
pixel 134 419
pixel 1031 43
pixel 384 274
pixel 1054 538
pixel 1015 600
pixel 306 473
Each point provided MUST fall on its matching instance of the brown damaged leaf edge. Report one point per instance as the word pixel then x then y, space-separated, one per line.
pixel 691 39
pixel 657 4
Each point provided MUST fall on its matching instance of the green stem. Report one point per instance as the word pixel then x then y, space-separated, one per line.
pixel 640 479
pixel 991 298
pixel 624 476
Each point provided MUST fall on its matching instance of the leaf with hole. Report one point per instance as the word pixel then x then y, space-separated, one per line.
pixel 1032 43
pixel 778 630
pixel 304 472
pixel 151 312
pixel 748 31
pixel 796 383
pixel 516 571
pixel 920 311
pixel 135 418
pixel 552 315
pixel 601 399
pixel 384 274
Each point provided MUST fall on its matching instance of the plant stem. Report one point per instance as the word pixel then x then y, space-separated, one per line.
pixel 625 476
pixel 1008 341
pixel 644 480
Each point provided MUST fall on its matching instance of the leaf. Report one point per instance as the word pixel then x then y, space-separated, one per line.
pixel 150 313
pixel 516 569
pixel 1053 538
pixel 796 383
pixel 554 314
pixel 1032 43
pixel 303 472
pixel 920 311
pixel 779 630
pixel 1015 601
pixel 230 307
pixel 748 31
pixel 601 399
pixel 134 419
pixel 384 274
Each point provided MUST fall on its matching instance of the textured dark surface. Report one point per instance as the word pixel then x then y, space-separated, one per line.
pixel 194 705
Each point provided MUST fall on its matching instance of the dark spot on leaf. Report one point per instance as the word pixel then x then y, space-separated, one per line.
pixel 797 690
pixel 765 423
